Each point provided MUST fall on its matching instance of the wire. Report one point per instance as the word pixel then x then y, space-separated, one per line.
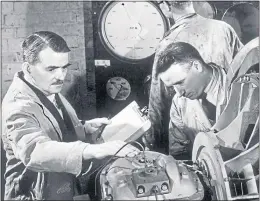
pixel 155 194
pixel 145 161
pixel 192 168
pixel 155 190
pixel 117 167
pixel 111 158
pixel 89 174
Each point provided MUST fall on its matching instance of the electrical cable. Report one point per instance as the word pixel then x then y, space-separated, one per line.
pixel 145 161
pixel 155 194
pixel 100 169
pixel 155 190
pixel 192 168
pixel 108 161
pixel 117 167
pixel 89 174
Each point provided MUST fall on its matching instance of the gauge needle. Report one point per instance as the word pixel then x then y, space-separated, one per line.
pixel 142 33
pixel 115 90
pixel 130 16
pixel 115 85
pixel 119 90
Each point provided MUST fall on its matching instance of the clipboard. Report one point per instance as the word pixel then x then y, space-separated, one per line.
pixel 128 125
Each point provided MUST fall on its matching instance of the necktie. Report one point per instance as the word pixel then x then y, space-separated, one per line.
pixel 70 134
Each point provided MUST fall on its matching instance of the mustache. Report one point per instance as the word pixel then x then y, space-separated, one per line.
pixel 58 82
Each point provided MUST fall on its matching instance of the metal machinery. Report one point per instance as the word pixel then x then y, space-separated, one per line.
pixel 229 155
pixel 225 160
pixel 244 18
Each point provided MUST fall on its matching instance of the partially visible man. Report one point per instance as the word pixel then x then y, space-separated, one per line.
pixel 200 93
pixel 216 42
pixel 42 136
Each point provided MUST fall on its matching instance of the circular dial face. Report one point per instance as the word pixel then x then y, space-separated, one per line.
pixel 244 18
pixel 118 88
pixel 132 30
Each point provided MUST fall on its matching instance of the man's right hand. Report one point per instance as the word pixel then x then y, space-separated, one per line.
pixel 99 151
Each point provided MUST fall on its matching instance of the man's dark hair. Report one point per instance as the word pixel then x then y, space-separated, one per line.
pixel 179 52
pixel 38 41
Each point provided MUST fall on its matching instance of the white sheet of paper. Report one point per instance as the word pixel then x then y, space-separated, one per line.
pixel 124 124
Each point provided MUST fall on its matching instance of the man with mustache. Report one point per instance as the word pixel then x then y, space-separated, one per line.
pixel 200 92
pixel 215 40
pixel 45 142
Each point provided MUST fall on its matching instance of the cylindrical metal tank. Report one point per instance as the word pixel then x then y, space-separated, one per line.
pixel 244 18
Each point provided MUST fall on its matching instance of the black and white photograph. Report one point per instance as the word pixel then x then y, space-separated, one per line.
pixel 130 100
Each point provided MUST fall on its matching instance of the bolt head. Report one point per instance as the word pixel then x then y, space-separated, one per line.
pixel 140 190
pixel 164 187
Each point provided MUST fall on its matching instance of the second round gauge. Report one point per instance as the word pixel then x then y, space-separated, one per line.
pixel 118 88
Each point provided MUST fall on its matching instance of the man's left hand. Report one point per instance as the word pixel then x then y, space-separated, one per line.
pixel 92 125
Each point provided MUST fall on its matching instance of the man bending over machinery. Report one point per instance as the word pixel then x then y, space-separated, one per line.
pixel 42 136
pixel 199 93
pixel 216 42
pixel 225 161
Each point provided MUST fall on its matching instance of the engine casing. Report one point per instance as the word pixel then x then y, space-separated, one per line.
pixel 149 177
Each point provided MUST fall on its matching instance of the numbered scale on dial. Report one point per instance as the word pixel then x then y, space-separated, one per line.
pixel 131 30
pixel 118 88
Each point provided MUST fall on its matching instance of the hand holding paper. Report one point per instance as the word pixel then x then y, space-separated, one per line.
pixel 94 124
pixel 127 125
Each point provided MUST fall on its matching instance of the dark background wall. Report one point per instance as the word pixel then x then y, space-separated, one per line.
pixel 72 20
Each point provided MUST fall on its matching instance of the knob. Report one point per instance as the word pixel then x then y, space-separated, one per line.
pixel 164 187
pixel 140 190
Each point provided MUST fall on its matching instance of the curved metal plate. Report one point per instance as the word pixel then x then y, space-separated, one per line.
pixel 206 153
pixel 244 18
pixel 245 58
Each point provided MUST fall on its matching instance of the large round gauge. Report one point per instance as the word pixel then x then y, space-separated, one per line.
pixel 118 88
pixel 131 30
pixel 244 18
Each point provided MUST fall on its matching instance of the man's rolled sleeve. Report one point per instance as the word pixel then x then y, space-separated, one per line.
pixel 74 161
pixel 31 144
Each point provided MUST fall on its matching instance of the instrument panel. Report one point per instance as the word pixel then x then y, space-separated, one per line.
pixel 124 35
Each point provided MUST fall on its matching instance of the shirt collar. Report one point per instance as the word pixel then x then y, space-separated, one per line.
pixel 184 17
pixel 29 79
pixel 178 22
pixel 51 98
pixel 213 87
